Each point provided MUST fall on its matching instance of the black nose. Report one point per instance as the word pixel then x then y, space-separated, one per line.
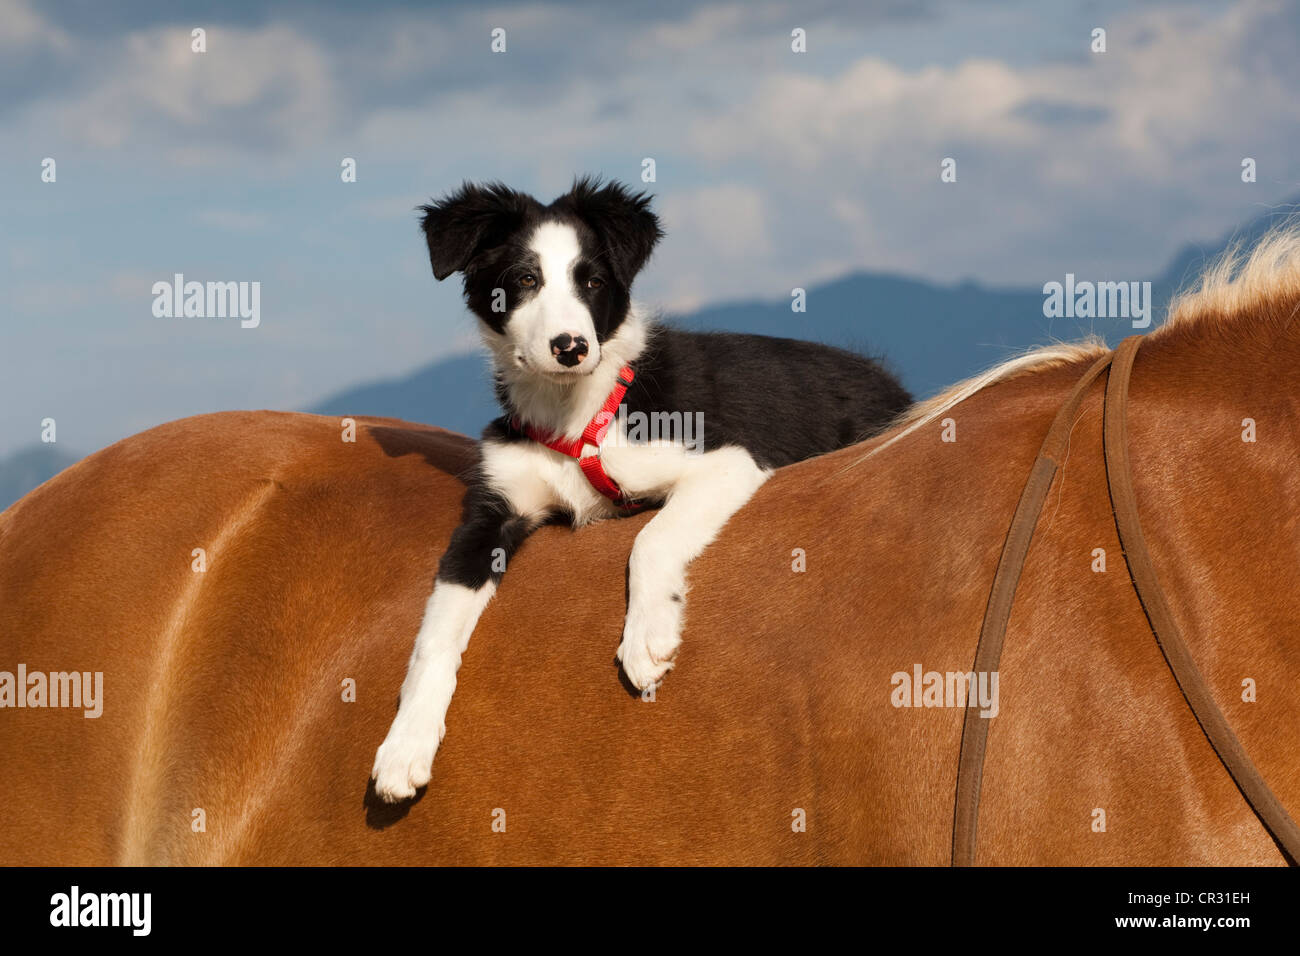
pixel 568 349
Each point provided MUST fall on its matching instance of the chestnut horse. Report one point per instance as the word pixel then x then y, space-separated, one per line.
pixel 247 582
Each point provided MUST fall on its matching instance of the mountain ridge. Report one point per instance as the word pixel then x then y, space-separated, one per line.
pixel 930 334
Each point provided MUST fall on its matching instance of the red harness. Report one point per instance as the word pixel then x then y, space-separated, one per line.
pixel 591 435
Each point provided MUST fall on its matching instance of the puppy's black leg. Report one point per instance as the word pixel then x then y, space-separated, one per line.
pixel 467 577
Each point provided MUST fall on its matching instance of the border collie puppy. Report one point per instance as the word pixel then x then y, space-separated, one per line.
pixel 578 366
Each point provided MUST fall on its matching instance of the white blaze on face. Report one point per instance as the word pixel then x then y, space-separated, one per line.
pixel 556 308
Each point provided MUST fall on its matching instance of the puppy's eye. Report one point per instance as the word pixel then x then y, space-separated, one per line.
pixel 595 283
pixel 528 280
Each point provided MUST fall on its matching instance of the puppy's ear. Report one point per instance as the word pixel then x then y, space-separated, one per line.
pixel 622 219
pixel 470 221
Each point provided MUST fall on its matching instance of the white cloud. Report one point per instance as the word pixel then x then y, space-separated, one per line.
pixel 773 167
pixel 717 236
pixel 1167 113
pixel 21 27
pixel 254 90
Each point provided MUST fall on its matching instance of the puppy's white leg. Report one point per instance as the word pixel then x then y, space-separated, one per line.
pixel 492 529
pixel 404 761
pixel 710 490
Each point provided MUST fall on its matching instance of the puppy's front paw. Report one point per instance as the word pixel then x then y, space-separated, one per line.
pixel 404 763
pixel 651 637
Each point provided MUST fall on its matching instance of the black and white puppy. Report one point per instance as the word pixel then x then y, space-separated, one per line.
pixel 550 286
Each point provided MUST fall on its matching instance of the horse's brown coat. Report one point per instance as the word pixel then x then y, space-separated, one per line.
pixel 223 689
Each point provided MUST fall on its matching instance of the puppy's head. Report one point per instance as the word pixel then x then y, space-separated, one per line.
pixel 551 284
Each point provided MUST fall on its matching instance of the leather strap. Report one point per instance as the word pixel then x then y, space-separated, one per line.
pixel 988 653
pixel 1119 478
pixel 975 729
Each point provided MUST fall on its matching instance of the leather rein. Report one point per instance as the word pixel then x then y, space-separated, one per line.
pixel 1119 480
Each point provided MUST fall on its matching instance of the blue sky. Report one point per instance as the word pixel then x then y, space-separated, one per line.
pixel 774 169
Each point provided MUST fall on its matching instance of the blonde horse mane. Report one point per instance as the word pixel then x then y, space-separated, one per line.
pixel 1263 278
pixel 1245 280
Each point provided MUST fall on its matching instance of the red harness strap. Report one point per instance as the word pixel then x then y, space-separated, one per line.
pixel 591 435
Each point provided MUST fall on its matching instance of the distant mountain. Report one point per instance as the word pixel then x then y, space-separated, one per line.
pixel 931 335
pixel 25 469
pixel 455 393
